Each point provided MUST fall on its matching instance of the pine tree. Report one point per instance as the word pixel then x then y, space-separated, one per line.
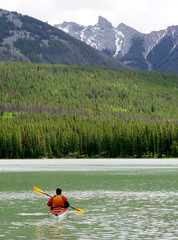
pixel 174 148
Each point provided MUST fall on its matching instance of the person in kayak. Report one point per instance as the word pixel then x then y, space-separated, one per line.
pixel 58 200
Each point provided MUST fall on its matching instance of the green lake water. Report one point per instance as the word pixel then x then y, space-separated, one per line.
pixel 122 199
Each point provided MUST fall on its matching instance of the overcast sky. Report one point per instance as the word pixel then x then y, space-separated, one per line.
pixel 143 15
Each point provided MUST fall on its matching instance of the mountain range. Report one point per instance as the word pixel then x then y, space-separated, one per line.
pixel 155 51
pixel 23 38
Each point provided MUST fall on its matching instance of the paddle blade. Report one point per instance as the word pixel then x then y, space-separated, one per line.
pixel 38 190
pixel 79 210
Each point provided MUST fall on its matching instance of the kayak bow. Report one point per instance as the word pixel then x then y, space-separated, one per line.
pixel 58 211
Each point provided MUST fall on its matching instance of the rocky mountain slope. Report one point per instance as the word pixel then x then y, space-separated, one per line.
pixel 23 38
pixel 156 51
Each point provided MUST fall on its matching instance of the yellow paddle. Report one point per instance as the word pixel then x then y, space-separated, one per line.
pixel 38 190
pixel 78 209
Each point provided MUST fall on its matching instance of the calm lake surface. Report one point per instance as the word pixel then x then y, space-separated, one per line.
pixel 122 199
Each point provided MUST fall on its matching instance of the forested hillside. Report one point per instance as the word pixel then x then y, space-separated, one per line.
pixel 23 38
pixel 58 111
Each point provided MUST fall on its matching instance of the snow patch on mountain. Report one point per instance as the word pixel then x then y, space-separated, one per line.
pixel 65 29
pixel 82 35
pixel 119 41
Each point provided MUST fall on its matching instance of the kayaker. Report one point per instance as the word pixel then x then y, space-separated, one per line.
pixel 58 200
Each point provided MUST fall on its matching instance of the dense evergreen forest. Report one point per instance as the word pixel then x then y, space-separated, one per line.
pixel 62 111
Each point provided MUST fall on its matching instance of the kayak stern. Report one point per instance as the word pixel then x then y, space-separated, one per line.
pixel 58 211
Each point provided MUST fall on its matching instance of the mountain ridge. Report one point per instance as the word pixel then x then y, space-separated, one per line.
pixel 126 44
pixel 23 38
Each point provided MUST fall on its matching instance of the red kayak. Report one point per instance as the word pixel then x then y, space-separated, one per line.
pixel 58 211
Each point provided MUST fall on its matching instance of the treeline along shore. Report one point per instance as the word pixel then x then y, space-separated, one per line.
pixel 27 135
pixel 55 111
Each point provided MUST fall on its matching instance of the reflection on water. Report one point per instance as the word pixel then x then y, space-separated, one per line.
pixel 54 226
pixel 120 202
